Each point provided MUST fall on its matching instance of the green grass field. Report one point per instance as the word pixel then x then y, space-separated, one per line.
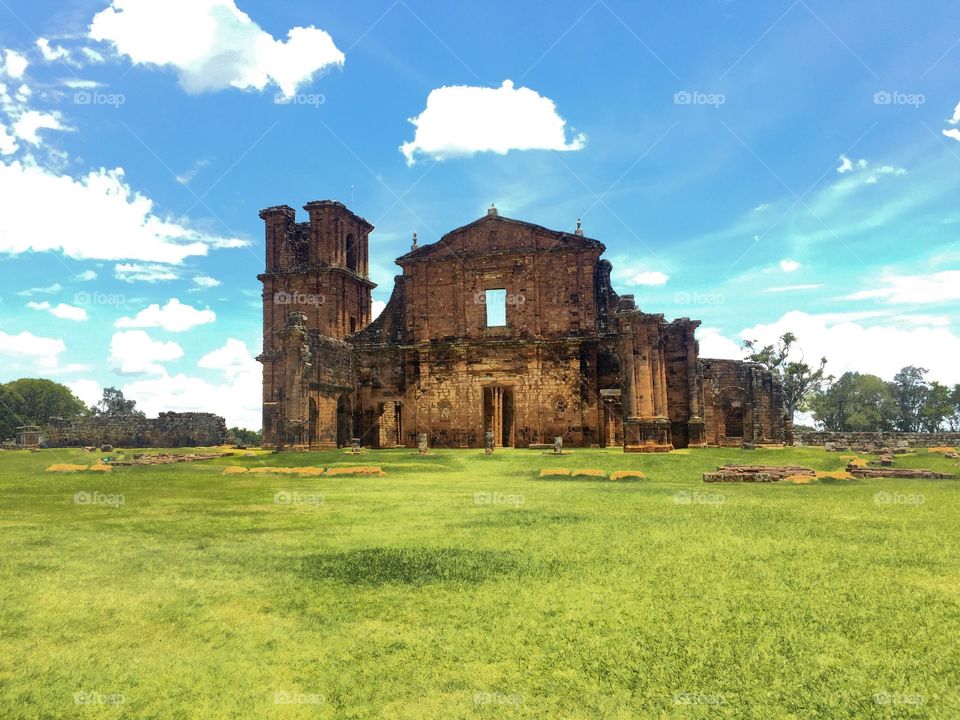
pixel 464 586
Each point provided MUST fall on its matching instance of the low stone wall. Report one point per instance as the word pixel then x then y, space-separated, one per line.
pixel 170 429
pixel 878 439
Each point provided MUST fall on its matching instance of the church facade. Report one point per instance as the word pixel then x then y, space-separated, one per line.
pixel 501 326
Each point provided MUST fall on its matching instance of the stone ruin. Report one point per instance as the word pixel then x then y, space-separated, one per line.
pixel 170 430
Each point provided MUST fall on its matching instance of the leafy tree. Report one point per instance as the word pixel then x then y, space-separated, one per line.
pixel 856 402
pixel 33 401
pixel 937 408
pixel 912 390
pixel 114 403
pixel 246 437
pixel 799 379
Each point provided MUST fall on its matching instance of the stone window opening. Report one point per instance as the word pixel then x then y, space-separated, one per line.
pixel 352 254
pixel 495 302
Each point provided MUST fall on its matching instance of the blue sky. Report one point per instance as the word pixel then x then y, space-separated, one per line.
pixel 761 166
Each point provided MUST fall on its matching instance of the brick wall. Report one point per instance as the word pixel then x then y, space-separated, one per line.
pixel 879 439
pixel 170 429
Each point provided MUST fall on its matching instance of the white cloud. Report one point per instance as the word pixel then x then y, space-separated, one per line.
pixel 172 317
pixel 203 281
pixel 52 53
pixel 915 289
pixel 788 265
pixel 49 290
pixel 41 352
pixel 953 133
pixel 376 308
pixel 133 352
pixel 653 277
pixel 98 217
pixel 792 288
pixel 463 120
pixel 213 45
pixel 186 177
pixel 138 272
pixel 714 345
pixel 14 64
pixel 955 120
pixel 879 349
pixel 8 142
pixel 85 276
pixel 62 311
pixel 81 84
pixel 845 165
pixel 90 391
pixel 237 397
pixel 28 125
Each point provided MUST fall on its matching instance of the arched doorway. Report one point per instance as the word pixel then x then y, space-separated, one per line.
pixel 344 420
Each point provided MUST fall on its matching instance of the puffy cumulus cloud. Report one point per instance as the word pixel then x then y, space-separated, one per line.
pixel 35 351
pixel 95 217
pixel 856 342
pixel 50 52
pixel 133 352
pixel 236 394
pixel 914 289
pixel 847 165
pixel 213 44
pixel 462 120
pixel 63 311
pixel 376 308
pixel 954 132
pixel 714 345
pixel 29 124
pixel 788 265
pixel 85 276
pixel 90 391
pixel 172 317
pixel 203 282
pixel 8 141
pixel 13 64
pixel 49 290
pixel 632 274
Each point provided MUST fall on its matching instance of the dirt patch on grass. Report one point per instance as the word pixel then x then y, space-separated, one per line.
pixel 66 467
pixel 628 475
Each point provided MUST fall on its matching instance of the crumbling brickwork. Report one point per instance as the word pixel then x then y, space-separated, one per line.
pixel 501 326
pixel 170 429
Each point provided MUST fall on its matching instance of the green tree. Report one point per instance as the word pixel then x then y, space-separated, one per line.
pixel 937 408
pixel 33 401
pixel 856 402
pixel 911 389
pixel 250 438
pixel 799 380
pixel 114 403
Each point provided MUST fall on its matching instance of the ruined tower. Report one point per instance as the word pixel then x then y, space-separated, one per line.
pixel 316 292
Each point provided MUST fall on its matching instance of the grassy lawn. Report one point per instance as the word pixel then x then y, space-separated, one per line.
pixel 462 586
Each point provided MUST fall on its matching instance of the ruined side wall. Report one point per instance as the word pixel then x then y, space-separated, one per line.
pixel 879 439
pixel 170 429
pixel 733 387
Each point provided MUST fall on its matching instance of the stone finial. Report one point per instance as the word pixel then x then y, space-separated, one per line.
pixel 493 210
pixel 414 245
pixel 579 230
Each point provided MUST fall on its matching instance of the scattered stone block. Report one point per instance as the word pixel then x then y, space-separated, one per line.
pixel 756 473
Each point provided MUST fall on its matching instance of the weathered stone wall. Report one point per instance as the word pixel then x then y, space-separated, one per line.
pixel 879 439
pixel 170 429
pixel 743 402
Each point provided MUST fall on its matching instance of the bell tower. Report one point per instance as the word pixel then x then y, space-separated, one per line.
pixel 316 282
